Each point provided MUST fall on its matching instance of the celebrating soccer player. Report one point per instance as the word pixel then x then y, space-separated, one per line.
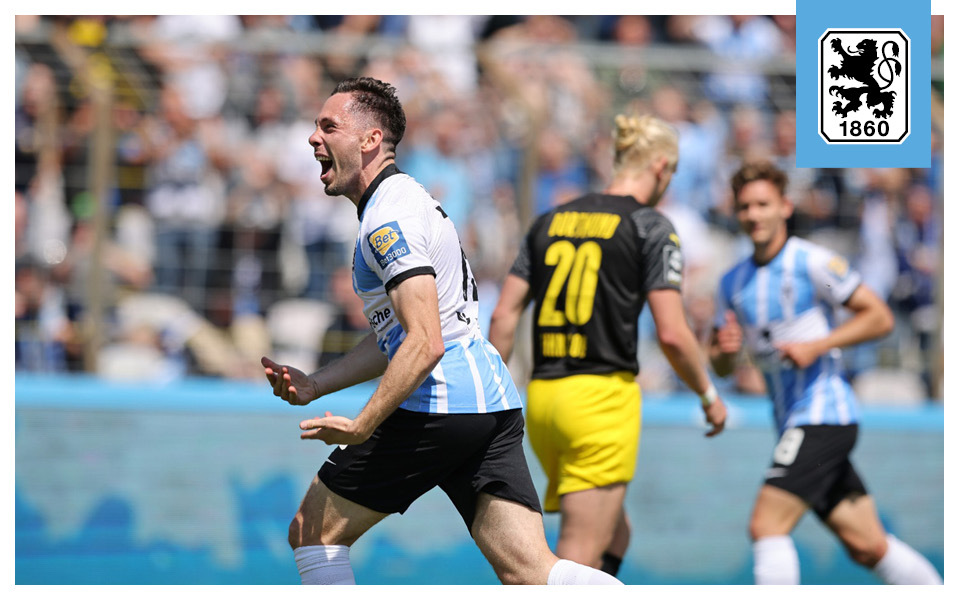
pixel 446 412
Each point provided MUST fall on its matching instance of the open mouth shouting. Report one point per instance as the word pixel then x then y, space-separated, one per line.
pixel 325 165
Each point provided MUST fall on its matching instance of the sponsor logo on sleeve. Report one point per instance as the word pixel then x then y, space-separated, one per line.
pixel 838 266
pixel 673 265
pixel 388 244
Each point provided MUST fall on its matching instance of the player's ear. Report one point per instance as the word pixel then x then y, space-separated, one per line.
pixel 659 165
pixel 371 139
pixel 786 207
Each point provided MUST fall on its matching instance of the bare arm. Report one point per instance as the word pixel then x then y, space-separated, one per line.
pixel 680 347
pixel 416 306
pixel 872 319
pixel 363 363
pixel 514 298
pixel 676 340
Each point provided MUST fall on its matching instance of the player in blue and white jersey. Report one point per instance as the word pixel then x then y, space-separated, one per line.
pixel 446 412
pixel 780 303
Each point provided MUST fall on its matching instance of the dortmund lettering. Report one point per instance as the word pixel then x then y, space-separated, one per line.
pixel 583 225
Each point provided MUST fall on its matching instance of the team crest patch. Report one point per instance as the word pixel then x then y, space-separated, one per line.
pixel 388 244
pixel 864 86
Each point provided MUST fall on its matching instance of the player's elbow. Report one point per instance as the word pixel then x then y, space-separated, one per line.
pixel 671 338
pixel 434 350
pixel 885 320
pixel 503 319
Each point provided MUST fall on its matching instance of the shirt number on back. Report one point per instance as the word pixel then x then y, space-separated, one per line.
pixel 576 270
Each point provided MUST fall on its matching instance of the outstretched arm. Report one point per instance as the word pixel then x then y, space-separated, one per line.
pixel 682 350
pixel 416 306
pixel 363 363
pixel 514 298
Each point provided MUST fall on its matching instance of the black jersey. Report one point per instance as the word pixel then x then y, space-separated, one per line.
pixel 590 264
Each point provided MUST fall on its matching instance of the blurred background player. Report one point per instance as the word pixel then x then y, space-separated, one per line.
pixel 445 412
pixel 590 265
pixel 781 302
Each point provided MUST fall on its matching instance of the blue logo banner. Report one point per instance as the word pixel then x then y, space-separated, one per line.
pixel 863 83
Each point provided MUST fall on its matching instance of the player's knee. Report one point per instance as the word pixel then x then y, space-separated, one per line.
pixel 761 528
pixel 295 532
pixel 756 529
pixel 866 552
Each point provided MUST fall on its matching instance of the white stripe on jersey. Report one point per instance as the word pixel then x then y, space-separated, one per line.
pixel 843 410
pixel 441 389
pixel 788 301
pixel 763 296
pixel 820 388
pixel 738 287
pixel 487 348
pixel 477 381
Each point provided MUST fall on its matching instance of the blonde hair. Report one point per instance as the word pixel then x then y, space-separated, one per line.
pixel 638 140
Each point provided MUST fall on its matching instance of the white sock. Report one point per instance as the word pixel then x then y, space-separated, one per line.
pixel 902 565
pixel 324 565
pixel 567 572
pixel 775 561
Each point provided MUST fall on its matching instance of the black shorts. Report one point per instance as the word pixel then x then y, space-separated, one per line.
pixel 411 452
pixel 813 462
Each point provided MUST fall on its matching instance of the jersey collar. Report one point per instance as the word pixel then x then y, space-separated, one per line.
pixel 387 171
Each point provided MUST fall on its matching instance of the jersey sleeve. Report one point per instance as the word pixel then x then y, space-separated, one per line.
pixel 523 265
pixel 832 277
pixel 396 247
pixel 660 256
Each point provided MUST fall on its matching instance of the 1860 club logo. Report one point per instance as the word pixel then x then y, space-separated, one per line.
pixel 864 86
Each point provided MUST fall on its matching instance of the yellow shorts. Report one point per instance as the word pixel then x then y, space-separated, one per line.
pixel 585 430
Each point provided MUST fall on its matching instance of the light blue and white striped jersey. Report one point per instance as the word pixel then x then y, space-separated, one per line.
pixel 794 298
pixel 403 233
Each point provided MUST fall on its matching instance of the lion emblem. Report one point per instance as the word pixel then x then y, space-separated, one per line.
pixel 859 66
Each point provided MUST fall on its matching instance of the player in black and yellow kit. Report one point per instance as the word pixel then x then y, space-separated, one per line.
pixel 590 265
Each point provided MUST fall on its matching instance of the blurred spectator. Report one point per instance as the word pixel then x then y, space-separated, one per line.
pixel 186 200
pixel 562 175
pixel 349 325
pixel 42 330
pixel 917 237
pixel 185 48
pixel 448 42
pixel 438 162
pixel 633 30
pixel 247 271
pixel 701 144
pixel 787 25
pixel 740 39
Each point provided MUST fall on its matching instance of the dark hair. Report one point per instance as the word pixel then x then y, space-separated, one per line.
pixel 378 100
pixel 758 171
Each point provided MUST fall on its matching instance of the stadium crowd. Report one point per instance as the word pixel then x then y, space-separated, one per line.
pixel 217 222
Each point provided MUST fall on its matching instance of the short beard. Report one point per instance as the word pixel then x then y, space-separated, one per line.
pixel 332 189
